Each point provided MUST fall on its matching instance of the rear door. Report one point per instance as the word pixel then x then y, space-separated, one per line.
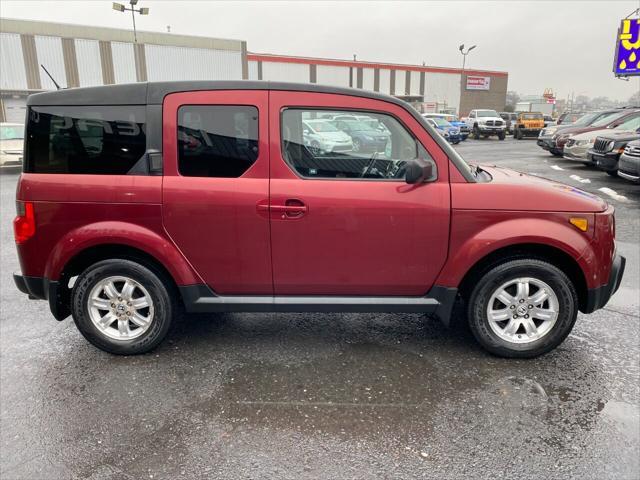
pixel 216 186
pixel 344 222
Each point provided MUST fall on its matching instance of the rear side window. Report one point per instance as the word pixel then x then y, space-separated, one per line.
pixel 217 140
pixel 101 140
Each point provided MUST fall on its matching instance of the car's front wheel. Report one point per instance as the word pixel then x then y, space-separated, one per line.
pixel 522 308
pixel 476 132
pixel 122 307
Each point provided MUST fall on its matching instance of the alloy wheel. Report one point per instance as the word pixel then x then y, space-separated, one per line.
pixel 120 308
pixel 523 310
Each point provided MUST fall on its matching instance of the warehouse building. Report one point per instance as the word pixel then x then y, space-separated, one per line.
pixel 80 56
pixel 428 88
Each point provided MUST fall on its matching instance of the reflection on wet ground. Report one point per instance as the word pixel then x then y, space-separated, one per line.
pixel 263 389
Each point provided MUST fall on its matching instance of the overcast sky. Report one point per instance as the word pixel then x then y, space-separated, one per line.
pixel 564 45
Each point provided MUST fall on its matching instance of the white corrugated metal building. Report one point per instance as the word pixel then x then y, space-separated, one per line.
pixel 79 56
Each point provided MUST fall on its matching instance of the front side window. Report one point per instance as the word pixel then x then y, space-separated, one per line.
pixel 103 140
pixel 375 146
pixel 217 140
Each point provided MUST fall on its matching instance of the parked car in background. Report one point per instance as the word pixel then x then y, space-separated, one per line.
pixel 486 123
pixel 509 119
pixel 364 137
pixel 609 120
pixel 567 118
pixel 548 120
pixel 528 124
pixel 108 235
pixel 629 163
pixel 451 133
pixel 11 144
pixel 607 149
pixel 580 147
pixel 322 136
pixel 546 140
pixel 454 121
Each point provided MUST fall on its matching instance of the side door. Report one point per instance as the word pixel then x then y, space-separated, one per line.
pixel 347 223
pixel 216 186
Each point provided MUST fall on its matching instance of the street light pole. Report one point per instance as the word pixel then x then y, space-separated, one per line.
pixel 142 11
pixel 464 54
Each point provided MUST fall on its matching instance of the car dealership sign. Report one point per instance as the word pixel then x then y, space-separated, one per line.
pixel 478 83
pixel 627 55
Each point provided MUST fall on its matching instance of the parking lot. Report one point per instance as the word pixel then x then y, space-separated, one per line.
pixel 328 395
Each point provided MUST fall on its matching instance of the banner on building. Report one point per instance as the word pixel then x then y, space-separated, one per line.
pixel 478 83
pixel 626 62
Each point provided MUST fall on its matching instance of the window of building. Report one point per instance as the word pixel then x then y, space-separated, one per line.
pixel 217 140
pixel 351 145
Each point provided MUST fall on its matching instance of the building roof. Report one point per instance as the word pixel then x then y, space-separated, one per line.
pixel 265 57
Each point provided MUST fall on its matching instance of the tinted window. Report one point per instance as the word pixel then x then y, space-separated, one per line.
pixel 354 150
pixel 217 140
pixel 107 140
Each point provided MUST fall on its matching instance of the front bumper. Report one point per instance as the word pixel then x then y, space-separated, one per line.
pixel 530 131
pixel 491 129
pixel 576 154
pixel 629 168
pixel 40 288
pixel 598 297
pixel 605 161
pixel 546 143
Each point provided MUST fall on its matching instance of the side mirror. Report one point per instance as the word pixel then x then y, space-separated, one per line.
pixel 420 171
pixel 305 131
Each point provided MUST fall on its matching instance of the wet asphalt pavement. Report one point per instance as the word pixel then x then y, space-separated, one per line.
pixel 297 396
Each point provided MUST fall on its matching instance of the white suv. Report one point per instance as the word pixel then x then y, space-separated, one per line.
pixel 486 123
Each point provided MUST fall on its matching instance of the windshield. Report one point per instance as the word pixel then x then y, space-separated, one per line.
pixel 585 120
pixel 608 118
pixel 12 132
pixel 532 116
pixel 487 113
pixel 631 124
pixel 441 122
pixel 322 127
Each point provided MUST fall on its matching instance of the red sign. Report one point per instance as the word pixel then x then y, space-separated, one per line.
pixel 478 83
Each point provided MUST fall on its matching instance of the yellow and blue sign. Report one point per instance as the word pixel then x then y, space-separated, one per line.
pixel 627 58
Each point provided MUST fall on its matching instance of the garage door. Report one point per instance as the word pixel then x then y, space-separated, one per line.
pixel 14 109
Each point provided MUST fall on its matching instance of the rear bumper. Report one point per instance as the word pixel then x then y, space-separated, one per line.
pixel 598 297
pixel 40 288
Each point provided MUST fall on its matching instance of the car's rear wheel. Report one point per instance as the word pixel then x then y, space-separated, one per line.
pixel 122 307
pixel 613 173
pixel 522 308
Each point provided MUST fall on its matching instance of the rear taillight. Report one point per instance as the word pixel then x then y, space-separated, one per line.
pixel 24 225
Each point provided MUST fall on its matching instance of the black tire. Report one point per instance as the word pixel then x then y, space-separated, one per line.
pixel 613 173
pixel 476 132
pixel 501 135
pixel 487 283
pixel 164 305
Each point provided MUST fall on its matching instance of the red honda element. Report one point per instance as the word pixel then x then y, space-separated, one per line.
pixel 140 201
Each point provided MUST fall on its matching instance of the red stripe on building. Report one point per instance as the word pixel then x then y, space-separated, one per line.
pixel 264 57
